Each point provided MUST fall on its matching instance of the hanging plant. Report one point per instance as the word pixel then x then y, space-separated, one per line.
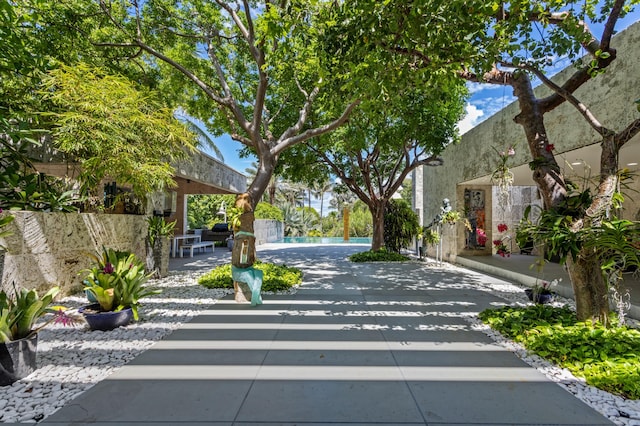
pixel 430 237
pixel 451 217
pixel 502 177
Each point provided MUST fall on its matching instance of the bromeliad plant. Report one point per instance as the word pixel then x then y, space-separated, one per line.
pixel 118 281
pixel 158 228
pixel 19 313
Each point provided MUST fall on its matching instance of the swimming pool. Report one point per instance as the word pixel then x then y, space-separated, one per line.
pixel 325 240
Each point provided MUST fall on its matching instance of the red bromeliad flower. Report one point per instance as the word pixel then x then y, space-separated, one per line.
pixel 502 227
pixel 108 268
pixel 550 147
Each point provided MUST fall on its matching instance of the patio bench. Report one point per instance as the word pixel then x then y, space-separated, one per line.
pixel 196 246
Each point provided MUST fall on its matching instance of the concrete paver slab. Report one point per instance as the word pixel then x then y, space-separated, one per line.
pixel 366 344
pixel 498 402
pixel 330 401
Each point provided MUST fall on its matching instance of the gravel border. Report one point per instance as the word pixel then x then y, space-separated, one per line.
pixel 67 365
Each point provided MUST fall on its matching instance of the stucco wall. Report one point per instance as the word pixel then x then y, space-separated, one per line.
pixel 268 231
pixel 610 96
pixel 48 249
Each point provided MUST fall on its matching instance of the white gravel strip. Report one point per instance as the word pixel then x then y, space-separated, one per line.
pixel 619 410
pixel 67 366
pixel 67 361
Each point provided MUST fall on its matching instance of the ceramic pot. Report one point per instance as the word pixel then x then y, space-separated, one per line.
pixel 540 298
pixel 17 359
pixel 105 320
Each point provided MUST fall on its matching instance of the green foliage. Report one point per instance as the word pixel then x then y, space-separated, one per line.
pixel 115 128
pixel 267 211
pixel 615 241
pixel 21 186
pixel 298 221
pixel 381 255
pixel 159 228
pixel 608 358
pixel 117 280
pixel 360 221
pixel 202 210
pixel 5 219
pixel 407 191
pixel 19 314
pixel 451 217
pixel 276 277
pixel 430 237
pixel 400 225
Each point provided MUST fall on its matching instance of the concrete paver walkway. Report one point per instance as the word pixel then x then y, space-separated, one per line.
pixel 358 344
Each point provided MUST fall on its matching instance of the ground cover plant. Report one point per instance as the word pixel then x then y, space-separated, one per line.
pixel 276 277
pixel 607 358
pixel 381 255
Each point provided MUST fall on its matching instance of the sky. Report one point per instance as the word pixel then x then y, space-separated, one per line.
pixel 485 100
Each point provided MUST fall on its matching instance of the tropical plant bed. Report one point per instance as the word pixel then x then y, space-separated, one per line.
pixel 276 277
pixel 607 358
pixel 381 255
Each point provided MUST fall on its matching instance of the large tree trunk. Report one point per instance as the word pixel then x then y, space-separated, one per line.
pixel 589 288
pixel 377 215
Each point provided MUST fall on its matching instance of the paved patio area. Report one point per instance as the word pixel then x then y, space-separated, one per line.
pixel 358 344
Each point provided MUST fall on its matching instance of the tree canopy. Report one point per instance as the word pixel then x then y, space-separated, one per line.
pixel 514 44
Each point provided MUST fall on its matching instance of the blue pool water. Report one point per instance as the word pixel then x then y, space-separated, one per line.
pixel 325 240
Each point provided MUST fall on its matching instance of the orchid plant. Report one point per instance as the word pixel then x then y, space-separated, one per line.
pixel 502 177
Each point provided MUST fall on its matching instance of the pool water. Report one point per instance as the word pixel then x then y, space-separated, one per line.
pixel 325 240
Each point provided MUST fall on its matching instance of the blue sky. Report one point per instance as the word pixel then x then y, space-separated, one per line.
pixel 488 99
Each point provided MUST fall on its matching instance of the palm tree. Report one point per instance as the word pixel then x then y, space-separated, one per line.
pixel 321 188
pixel 199 128
pixel 341 196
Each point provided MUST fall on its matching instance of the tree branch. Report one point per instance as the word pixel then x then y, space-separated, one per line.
pixel 628 133
pixel 582 108
pixel 283 143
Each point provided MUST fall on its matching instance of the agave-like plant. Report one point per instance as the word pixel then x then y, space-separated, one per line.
pixel 118 285
pixel 18 315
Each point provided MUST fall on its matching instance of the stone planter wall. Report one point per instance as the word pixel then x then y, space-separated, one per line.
pixel 48 249
pixel 268 231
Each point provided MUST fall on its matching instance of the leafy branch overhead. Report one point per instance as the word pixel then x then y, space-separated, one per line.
pixel 242 68
pixel 117 130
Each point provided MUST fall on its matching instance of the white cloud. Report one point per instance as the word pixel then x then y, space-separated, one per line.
pixel 471 118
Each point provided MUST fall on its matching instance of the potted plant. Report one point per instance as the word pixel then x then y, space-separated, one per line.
pixel 501 248
pixel 158 244
pixel 19 314
pixel 451 217
pixel 541 293
pixel 117 289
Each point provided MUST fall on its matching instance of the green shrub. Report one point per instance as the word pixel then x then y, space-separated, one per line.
pixel 400 225
pixel 276 277
pixel 607 358
pixel 268 211
pixel 381 255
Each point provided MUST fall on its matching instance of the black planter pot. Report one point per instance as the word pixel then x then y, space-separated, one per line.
pixel 17 359
pixel 105 320
pixel 540 298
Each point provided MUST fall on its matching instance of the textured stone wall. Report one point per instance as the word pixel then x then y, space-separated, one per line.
pixel 521 198
pixel 209 171
pixel 268 231
pixel 610 96
pixel 48 249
